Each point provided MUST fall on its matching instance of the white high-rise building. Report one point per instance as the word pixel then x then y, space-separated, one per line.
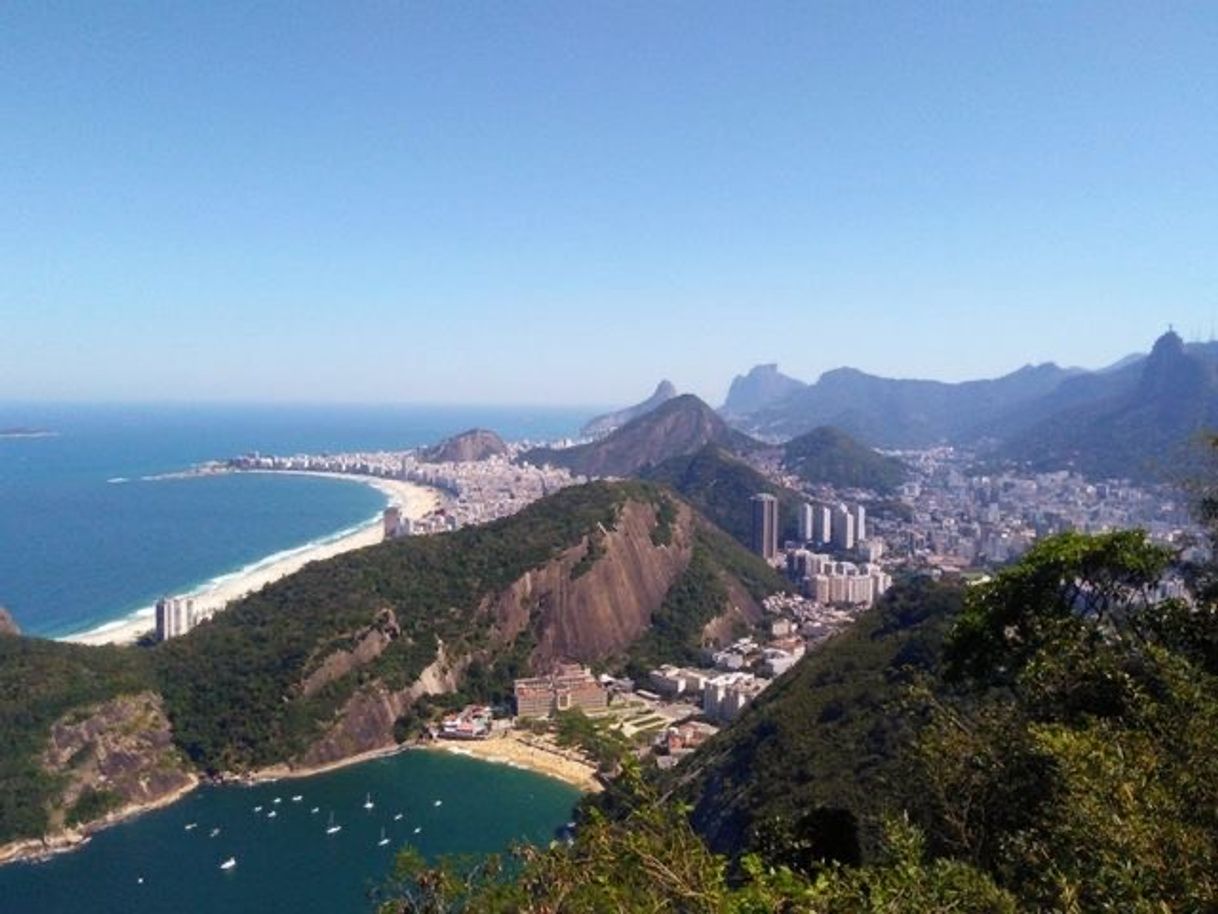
pixel 805 522
pixel 174 616
pixel 843 528
pixel 822 524
pixel 860 522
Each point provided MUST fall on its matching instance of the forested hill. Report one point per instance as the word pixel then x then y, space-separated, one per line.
pixel 829 456
pixel 719 484
pixel 332 661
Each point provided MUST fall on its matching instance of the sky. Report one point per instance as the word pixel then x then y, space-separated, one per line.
pixel 564 202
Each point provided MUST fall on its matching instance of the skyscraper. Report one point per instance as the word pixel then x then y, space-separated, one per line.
pixel 860 522
pixel 843 528
pixel 822 524
pixel 765 525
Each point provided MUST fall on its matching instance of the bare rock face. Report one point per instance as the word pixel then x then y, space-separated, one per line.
pixel 122 747
pixel 7 625
pixel 602 611
pixel 369 644
pixel 366 721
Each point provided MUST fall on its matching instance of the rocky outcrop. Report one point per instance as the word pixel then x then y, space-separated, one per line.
pixel 602 611
pixel 475 444
pixel 120 752
pixel 8 626
pixel 367 646
pixel 365 723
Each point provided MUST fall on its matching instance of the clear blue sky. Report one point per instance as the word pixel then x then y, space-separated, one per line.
pixel 564 202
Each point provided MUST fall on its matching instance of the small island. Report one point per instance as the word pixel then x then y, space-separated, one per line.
pixel 21 431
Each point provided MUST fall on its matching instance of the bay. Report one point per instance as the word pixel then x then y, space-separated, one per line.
pixel 288 863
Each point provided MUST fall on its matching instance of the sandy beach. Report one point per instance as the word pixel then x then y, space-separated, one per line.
pixel 414 500
pixel 529 752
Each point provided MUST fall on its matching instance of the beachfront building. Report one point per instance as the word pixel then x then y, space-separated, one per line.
pixel 570 686
pixel 472 722
pixel 174 616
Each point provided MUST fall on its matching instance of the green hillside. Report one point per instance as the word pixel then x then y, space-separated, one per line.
pixel 829 456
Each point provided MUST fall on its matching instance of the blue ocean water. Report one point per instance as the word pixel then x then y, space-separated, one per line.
pixel 78 549
pixel 288 863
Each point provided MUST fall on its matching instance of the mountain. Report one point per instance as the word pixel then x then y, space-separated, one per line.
pixel 8 625
pixel 475 444
pixel 720 485
pixel 343 656
pixel 1145 423
pixel 888 412
pixel 830 456
pixel 763 385
pixel 677 427
pixel 603 425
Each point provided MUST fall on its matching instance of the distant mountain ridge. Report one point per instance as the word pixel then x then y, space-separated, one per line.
pixel 889 412
pixel 1147 417
pixel 603 425
pixel 762 386
pixel 1132 418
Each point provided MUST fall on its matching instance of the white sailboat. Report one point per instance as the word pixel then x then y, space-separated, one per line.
pixel 333 829
pixel 192 826
pixel 229 863
pixel 438 803
pixel 297 798
pixel 397 818
pixel 383 840
pixel 315 810
pixel 368 804
pixel 271 814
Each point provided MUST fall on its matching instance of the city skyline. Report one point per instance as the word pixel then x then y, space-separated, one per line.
pixel 422 204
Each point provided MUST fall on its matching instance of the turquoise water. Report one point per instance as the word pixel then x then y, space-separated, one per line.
pixel 288 863
pixel 78 549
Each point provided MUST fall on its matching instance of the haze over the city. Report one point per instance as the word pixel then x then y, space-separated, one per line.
pixel 563 203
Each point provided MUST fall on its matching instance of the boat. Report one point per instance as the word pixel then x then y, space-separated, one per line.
pixel 383 840
pixel 229 863
pixel 277 800
pixel 140 881
pixel 257 809
pixel 438 803
pixel 333 829
pixel 397 818
pixel 417 829
pixel 368 804
pixel 271 814
pixel 192 826
pixel 314 811
pixel 213 833
pixel 298 798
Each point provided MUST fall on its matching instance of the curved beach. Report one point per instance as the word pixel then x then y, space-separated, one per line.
pixel 414 500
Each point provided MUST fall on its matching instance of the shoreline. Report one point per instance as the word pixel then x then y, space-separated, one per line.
pixel 534 755
pixel 413 499
pixel 575 774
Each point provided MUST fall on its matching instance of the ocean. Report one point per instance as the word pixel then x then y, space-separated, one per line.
pixel 84 540
pixel 288 863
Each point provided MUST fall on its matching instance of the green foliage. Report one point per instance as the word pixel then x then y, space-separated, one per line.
pixel 594 737
pixel 650 860
pixel 1080 766
pixel 1067 585
pixel 829 456
pixel 40 682
pixel 92 804
pixel 830 735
